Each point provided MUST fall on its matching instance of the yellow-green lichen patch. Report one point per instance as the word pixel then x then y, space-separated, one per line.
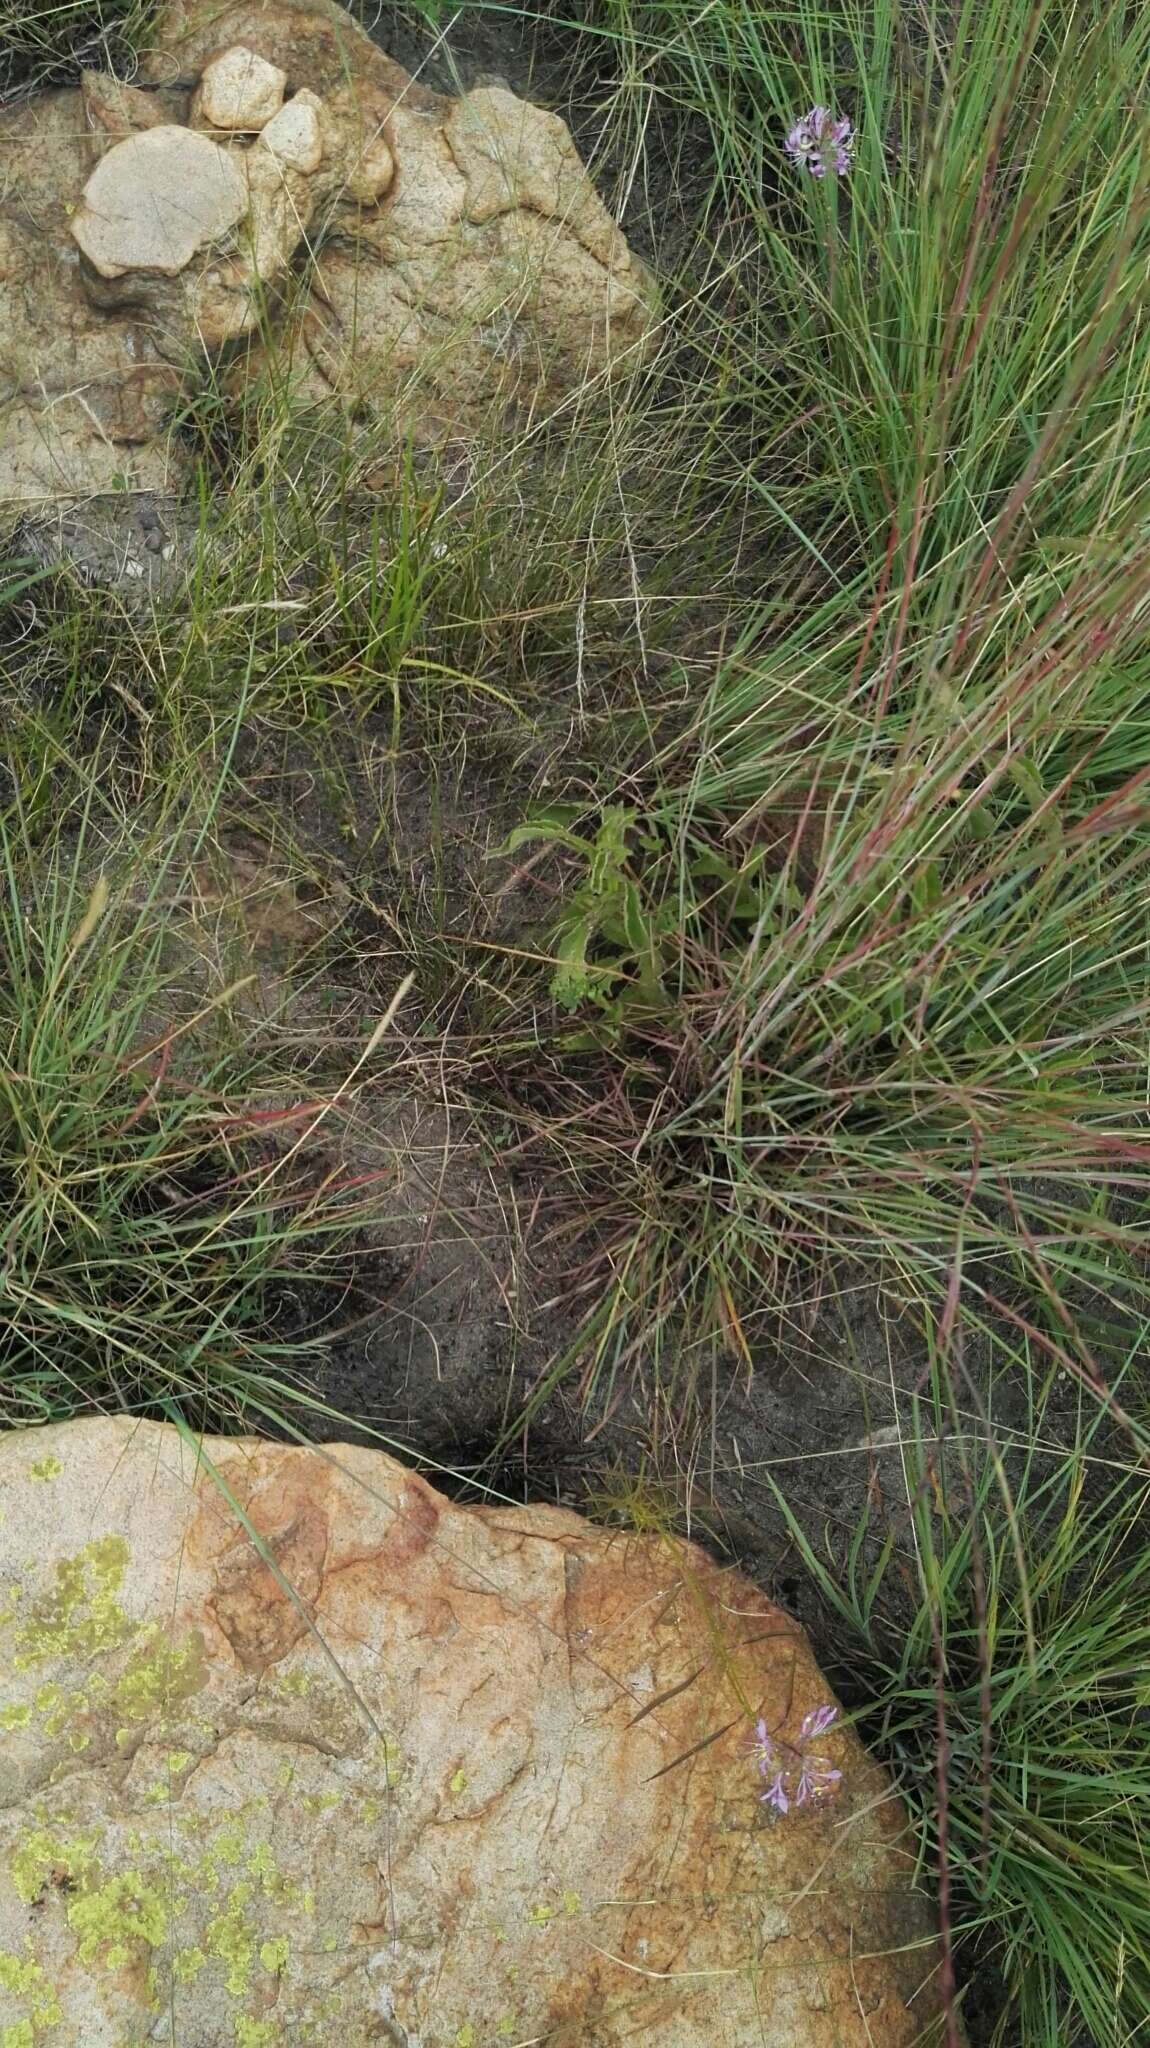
pixel 274 1954
pixel 160 1678
pixel 255 2033
pixel 18 2036
pixel 459 1782
pixel 187 1964
pixel 62 1710
pixel 113 1919
pixel 45 1468
pixel 43 1855
pixel 81 1617
pixel 389 1754
pixel 229 1844
pixel 161 1790
pixel 23 1978
pixel 231 1938
pixel 262 1864
pixel 15 1717
pixel 466 2037
pixel 293 1685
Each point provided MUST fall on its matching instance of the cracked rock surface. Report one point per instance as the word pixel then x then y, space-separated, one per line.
pixel 294 1750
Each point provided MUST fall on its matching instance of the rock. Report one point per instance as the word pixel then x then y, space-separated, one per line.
pixel 295 1751
pixel 315 42
pixel 44 160
pixel 113 111
pixel 238 90
pixel 460 264
pixel 155 200
pixel 294 134
pixel 356 118
pixel 84 398
pixel 282 201
pixel 370 173
pixel 49 454
pixel 516 157
pixel 140 234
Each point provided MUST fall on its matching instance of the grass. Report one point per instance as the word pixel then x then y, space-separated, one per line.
pixel 1013 1710
pixel 47 44
pixel 154 1209
pixel 812 672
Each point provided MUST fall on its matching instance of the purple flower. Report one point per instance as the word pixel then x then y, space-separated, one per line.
pixel 818 144
pixel 763 1752
pixel 815 1779
pixel 776 1793
pixel 816 1724
pixel 800 1776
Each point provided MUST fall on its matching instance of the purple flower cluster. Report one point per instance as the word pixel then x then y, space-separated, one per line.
pixel 800 1775
pixel 818 144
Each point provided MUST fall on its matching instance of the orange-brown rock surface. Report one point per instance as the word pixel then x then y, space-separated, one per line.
pixel 293 1750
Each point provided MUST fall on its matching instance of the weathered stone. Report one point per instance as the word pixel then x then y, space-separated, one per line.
pixel 44 160
pixel 356 117
pixel 238 90
pixel 370 173
pixel 113 110
pixel 514 156
pixel 84 398
pixel 294 134
pixel 315 42
pixel 461 261
pixel 49 454
pixel 295 1751
pixel 282 201
pixel 155 200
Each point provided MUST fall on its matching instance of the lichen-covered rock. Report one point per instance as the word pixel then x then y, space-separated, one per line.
pixel 292 1750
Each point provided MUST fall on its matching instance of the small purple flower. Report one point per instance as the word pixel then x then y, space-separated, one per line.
pixel 815 1779
pixel 762 1750
pixel 818 144
pixel 816 1724
pixel 776 1793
